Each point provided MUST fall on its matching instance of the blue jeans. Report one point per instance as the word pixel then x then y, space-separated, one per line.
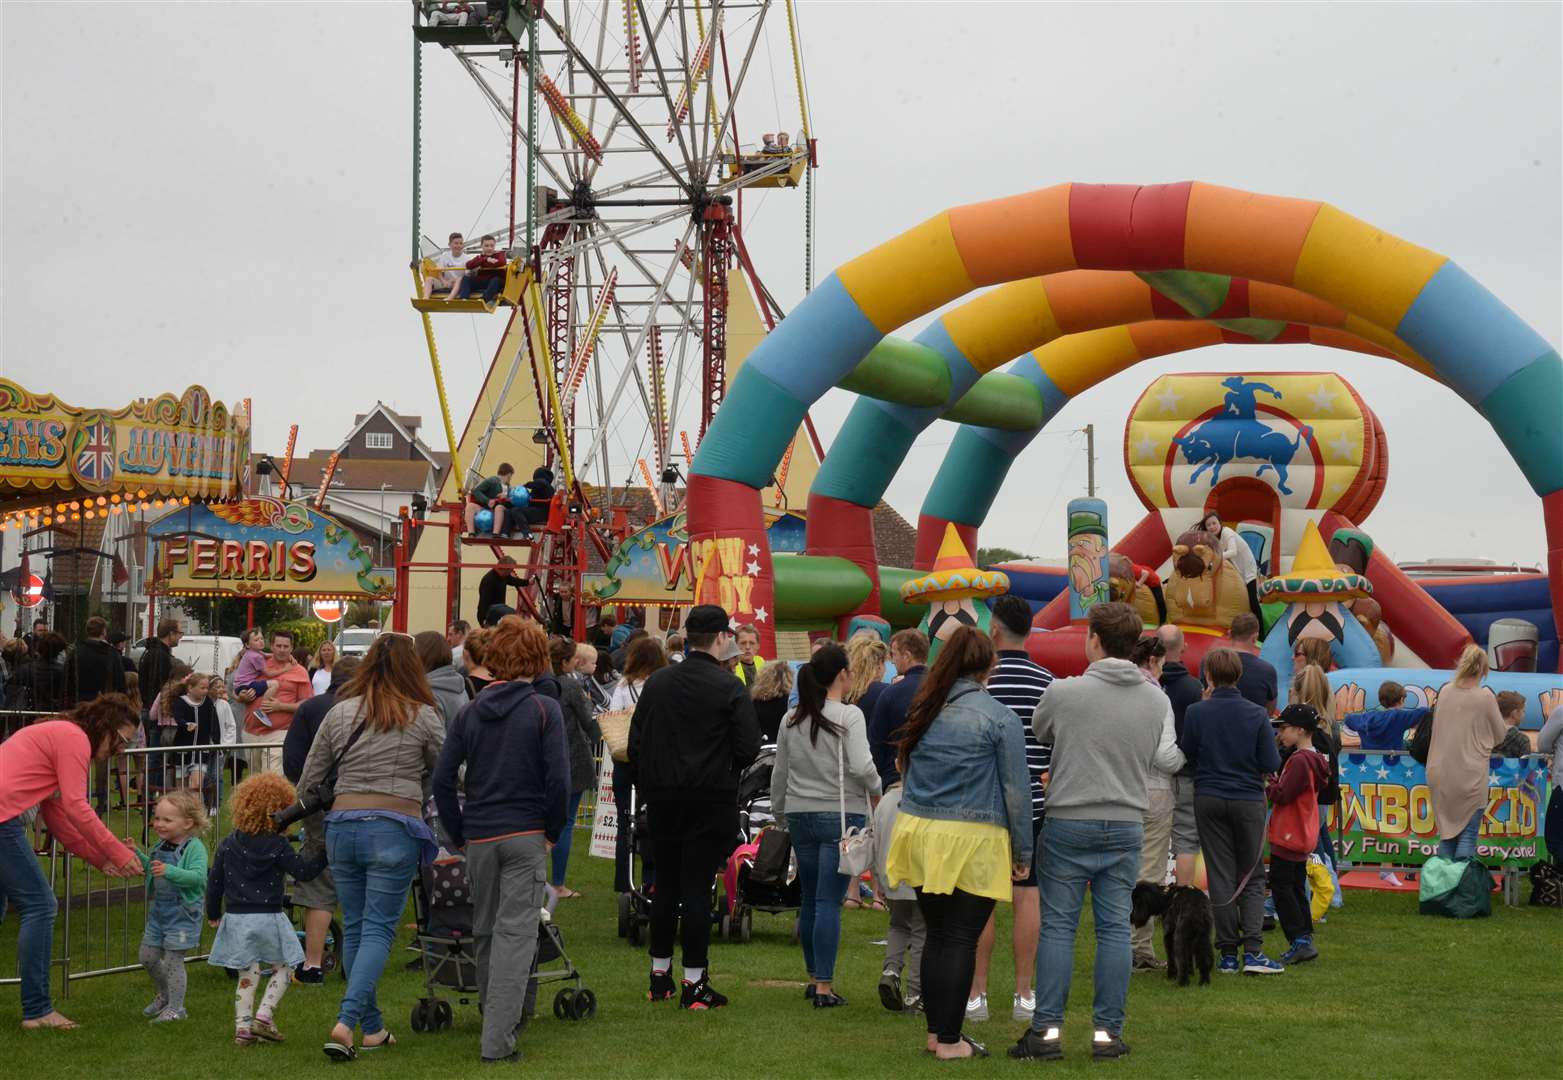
pixel 815 840
pixel 373 861
pixel 25 890
pixel 561 854
pixel 1464 845
pixel 1105 855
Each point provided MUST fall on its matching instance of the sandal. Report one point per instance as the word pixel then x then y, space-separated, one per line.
pixel 243 1037
pixel 265 1029
pixel 565 893
pixel 339 1053
pixel 389 1040
pixel 876 905
pixel 853 903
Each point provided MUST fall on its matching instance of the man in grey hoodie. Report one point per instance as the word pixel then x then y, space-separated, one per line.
pixel 1108 728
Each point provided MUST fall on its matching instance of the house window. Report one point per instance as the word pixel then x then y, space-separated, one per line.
pixel 377 440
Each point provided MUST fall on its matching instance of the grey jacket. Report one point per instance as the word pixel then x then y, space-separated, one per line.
pixel 450 691
pixel 396 763
pixel 805 777
pixel 1109 728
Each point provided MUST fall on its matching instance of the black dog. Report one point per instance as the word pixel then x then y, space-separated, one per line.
pixel 1187 927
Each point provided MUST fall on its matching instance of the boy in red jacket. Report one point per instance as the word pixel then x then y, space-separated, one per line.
pixel 1294 826
pixel 486 272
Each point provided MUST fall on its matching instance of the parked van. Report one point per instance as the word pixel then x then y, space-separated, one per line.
pixel 209 654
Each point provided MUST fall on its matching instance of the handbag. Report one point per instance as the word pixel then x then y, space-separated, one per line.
pixel 857 845
pixel 615 724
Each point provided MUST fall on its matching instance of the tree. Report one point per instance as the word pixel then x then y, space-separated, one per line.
pixel 226 615
pixel 992 556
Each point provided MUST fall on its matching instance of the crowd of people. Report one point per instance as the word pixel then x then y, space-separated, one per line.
pixel 968 781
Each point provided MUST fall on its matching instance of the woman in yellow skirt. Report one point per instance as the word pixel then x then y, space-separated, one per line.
pixel 964 830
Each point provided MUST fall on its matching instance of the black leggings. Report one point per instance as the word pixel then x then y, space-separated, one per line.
pixel 1288 881
pixel 1253 602
pixel 955 921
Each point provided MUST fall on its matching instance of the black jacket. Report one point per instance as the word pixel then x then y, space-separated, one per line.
pixel 890 717
pixel 581 726
pixel 693 731
pixel 96 668
pixel 156 664
pixel 512 740
pixel 1183 690
pixel 203 716
pixel 247 871
pixel 306 722
pixel 493 587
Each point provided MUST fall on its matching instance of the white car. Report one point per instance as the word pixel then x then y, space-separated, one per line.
pixel 355 641
pixel 208 653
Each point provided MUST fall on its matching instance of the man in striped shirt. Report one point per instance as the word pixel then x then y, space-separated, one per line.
pixel 1019 683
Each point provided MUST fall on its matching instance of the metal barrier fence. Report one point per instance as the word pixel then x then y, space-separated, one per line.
pixel 98 929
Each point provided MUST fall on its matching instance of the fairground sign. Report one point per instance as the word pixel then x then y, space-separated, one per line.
pixel 261 547
pixel 170 445
pixel 1386 810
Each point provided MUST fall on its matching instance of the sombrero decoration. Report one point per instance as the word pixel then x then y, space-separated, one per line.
pixel 953 576
pixel 1314 576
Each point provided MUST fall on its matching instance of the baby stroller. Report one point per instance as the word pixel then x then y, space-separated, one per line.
pixel 635 905
pixel 743 896
pixel 442 901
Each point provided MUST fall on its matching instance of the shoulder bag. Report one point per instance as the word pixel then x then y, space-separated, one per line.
pixel 857 845
pixel 615 724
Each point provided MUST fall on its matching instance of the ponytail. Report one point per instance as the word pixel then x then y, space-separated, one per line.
pixel 814 679
pixel 968 654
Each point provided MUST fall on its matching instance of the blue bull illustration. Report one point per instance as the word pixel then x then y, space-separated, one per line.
pixel 1222 439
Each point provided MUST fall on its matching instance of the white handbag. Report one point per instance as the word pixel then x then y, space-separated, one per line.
pixel 857 845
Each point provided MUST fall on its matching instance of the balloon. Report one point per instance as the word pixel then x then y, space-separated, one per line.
pixel 520 498
pixel 483 521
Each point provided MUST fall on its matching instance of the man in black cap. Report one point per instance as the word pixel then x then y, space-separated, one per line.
pixel 693 731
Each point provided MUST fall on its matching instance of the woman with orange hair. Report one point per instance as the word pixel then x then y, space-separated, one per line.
pixel 380 740
pixel 513 742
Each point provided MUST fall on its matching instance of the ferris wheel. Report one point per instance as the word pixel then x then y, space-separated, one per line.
pixel 635 131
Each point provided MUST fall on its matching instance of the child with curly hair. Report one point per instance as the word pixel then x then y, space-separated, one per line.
pixel 247 877
pixel 176 882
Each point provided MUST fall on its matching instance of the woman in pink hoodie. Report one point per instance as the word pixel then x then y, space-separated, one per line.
pixel 55 756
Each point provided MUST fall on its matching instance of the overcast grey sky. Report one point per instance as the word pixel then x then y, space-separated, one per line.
pixel 219 193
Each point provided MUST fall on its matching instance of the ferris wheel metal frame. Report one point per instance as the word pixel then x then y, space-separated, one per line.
pixel 631 213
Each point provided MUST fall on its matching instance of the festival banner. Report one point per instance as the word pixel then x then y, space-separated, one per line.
pixel 186 444
pixel 605 820
pixel 1385 815
pixel 656 565
pixel 261 547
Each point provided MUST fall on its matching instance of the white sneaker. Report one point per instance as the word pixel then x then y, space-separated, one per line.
pixel 1025 1006
pixel 977 1009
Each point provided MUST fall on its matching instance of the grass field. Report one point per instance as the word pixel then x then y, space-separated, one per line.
pixel 1394 994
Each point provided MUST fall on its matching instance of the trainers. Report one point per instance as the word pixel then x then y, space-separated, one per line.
pixel 159 1003
pixel 890 991
pixel 1260 964
pixel 1142 962
pixel 662 986
pixel 1105 1046
pixel 977 1009
pixel 914 1003
pixel 1228 965
pixel 170 1015
pixel 699 995
pixel 1302 949
pixel 312 975
pixel 1025 1005
pixel 1035 1046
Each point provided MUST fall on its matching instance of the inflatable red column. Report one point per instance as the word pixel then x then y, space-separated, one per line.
pixel 838 527
pixel 1552 517
pixel 729 555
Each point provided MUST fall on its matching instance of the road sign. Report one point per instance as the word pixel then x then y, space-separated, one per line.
pixel 328 611
pixel 30 591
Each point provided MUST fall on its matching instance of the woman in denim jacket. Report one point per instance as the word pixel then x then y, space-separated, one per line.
pixel 964 830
